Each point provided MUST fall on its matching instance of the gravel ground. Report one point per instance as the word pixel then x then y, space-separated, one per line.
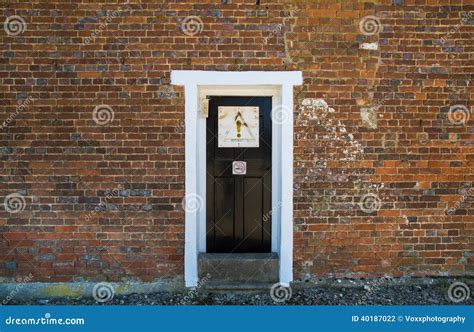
pixel 370 292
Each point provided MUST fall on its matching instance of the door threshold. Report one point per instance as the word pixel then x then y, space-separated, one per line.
pixel 238 270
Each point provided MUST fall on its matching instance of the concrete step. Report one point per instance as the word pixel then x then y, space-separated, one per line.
pixel 238 271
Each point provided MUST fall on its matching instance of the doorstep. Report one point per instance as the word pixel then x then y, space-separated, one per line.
pixel 238 271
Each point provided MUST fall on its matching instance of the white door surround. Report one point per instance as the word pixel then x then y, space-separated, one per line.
pixel 279 86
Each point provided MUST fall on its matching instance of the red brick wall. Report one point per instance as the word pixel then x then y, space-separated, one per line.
pixel 100 197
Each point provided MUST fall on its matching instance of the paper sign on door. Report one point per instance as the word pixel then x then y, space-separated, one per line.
pixel 238 127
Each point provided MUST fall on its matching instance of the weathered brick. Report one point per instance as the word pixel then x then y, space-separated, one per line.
pixel 95 190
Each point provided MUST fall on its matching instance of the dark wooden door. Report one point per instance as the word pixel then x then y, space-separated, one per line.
pixel 238 206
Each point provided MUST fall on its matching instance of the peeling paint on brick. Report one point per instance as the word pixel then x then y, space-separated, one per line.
pixel 369 46
pixel 369 117
pixel 317 112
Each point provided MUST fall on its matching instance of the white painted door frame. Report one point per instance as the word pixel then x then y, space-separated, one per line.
pixel 279 86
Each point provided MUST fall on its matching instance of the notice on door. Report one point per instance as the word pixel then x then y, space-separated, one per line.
pixel 238 127
pixel 239 168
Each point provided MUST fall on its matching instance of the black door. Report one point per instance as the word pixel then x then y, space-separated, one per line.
pixel 238 206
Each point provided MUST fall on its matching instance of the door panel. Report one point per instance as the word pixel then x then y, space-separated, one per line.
pixel 238 206
pixel 253 208
pixel 224 225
